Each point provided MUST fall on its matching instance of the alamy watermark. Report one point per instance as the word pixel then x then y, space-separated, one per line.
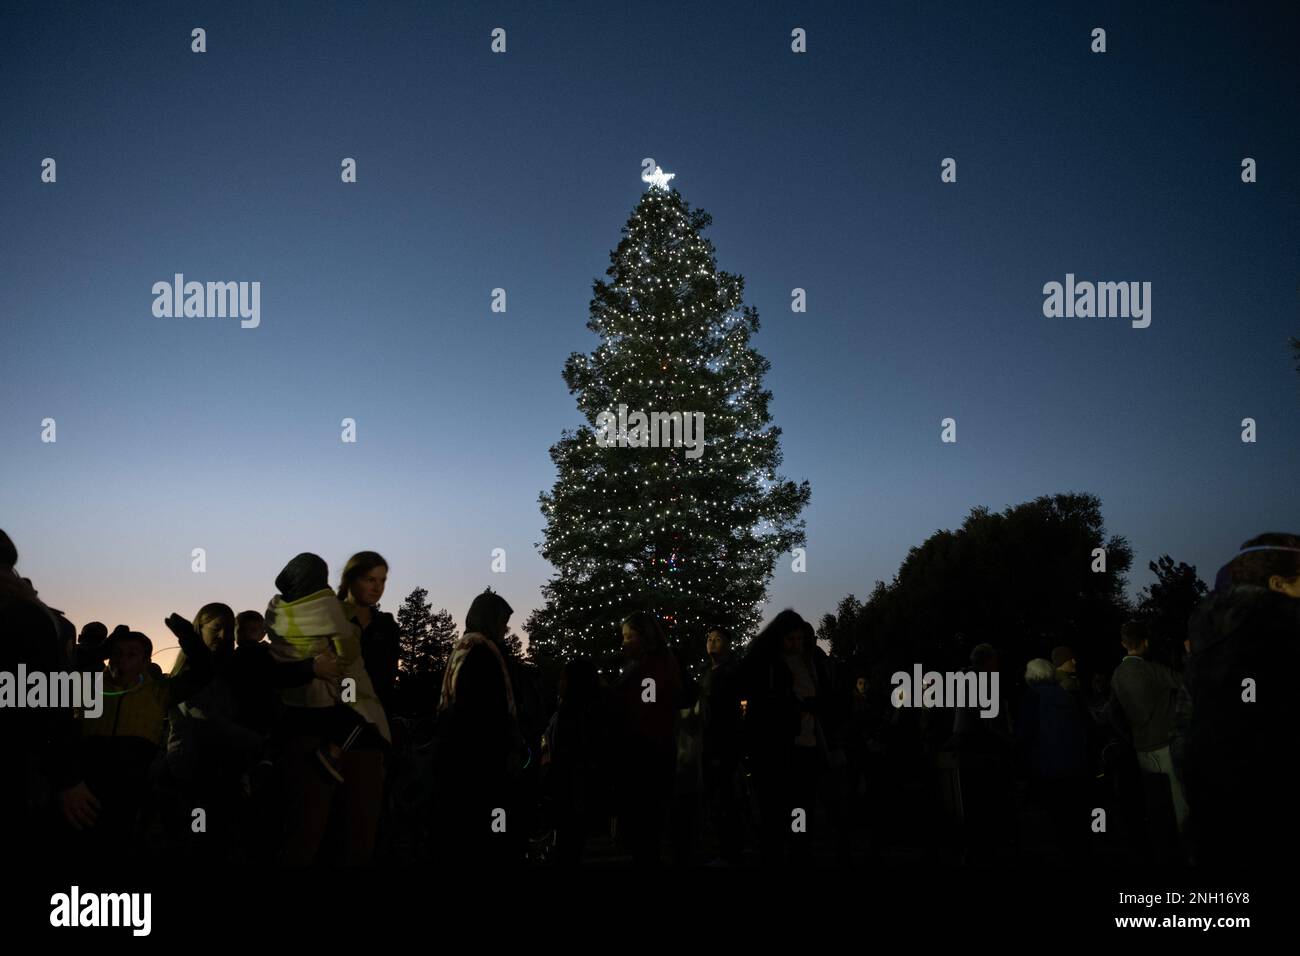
pixel 208 300
pixel 75 908
pixel 958 689
pixel 656 430
pixel 78 690
pixel 1102 300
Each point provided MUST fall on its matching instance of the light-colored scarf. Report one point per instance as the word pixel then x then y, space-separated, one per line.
pixel 452 675
pixel 302 629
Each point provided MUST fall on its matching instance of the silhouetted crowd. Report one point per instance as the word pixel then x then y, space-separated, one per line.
pixel 278 737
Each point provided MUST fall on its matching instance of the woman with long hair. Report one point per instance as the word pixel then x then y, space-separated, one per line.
pixel 215 623
pixel 481 752
pixel 787 693
pixel 207 750
pixel 362 585
pixel 336 731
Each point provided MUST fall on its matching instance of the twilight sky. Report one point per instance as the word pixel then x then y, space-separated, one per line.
pixel 477 170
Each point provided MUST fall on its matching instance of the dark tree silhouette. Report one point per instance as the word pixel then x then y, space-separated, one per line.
pixel 1167 604
pixel 515 647
pixel 1022 580
pixel 840 629
pixel 441 640
pixel 425 640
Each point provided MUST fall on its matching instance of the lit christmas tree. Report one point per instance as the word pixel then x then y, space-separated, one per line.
pixel 649 513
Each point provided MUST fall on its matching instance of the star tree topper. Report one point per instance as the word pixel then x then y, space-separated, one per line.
pixel 658 178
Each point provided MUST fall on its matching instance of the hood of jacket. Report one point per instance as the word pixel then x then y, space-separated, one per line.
pixel 313 625
pixel 1242 610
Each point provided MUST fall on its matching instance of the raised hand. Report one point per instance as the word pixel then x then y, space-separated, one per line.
pixel 182 628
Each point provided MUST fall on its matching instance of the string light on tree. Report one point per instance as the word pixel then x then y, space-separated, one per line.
pixel 694 540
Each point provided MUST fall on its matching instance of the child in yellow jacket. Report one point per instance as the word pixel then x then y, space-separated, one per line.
pixel 118 746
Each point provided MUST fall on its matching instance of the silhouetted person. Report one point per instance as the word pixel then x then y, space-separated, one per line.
pixel 335 729
pixel 986 749
pixel 252 677
pixel 647 696
pixel 720 708
pixel 208 748
pixel 39 745
pixel 91 647
pixel 250 628
pixel 256 680
pixel 835 683
pixel 576 760
pixel 1145 692
pixel 1066 669
pixel 1053 731
pixel 119 745
pixel 65 630
pixel 786 744
pixel 859 735
pixel 481 752
pixel 688 782
pixel 1241 674
pixel 361 589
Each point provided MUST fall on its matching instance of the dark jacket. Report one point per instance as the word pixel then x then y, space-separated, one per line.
pixel 478 734
pixel 866 720
pixel 88 657
pixel 1239 753
pixel 645 731
pixel 978 737
pixel 1069 681
pixel 39 744
pixel 651 722
pixel 380 649
pixel 1144 692
pixel 256 678
pixel 720 707
pixel 1053 731
pixel 478 755
pixel 530 703
pixel 578 745
pixel 773 715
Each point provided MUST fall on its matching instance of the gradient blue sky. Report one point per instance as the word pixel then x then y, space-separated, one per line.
pixel 518 170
